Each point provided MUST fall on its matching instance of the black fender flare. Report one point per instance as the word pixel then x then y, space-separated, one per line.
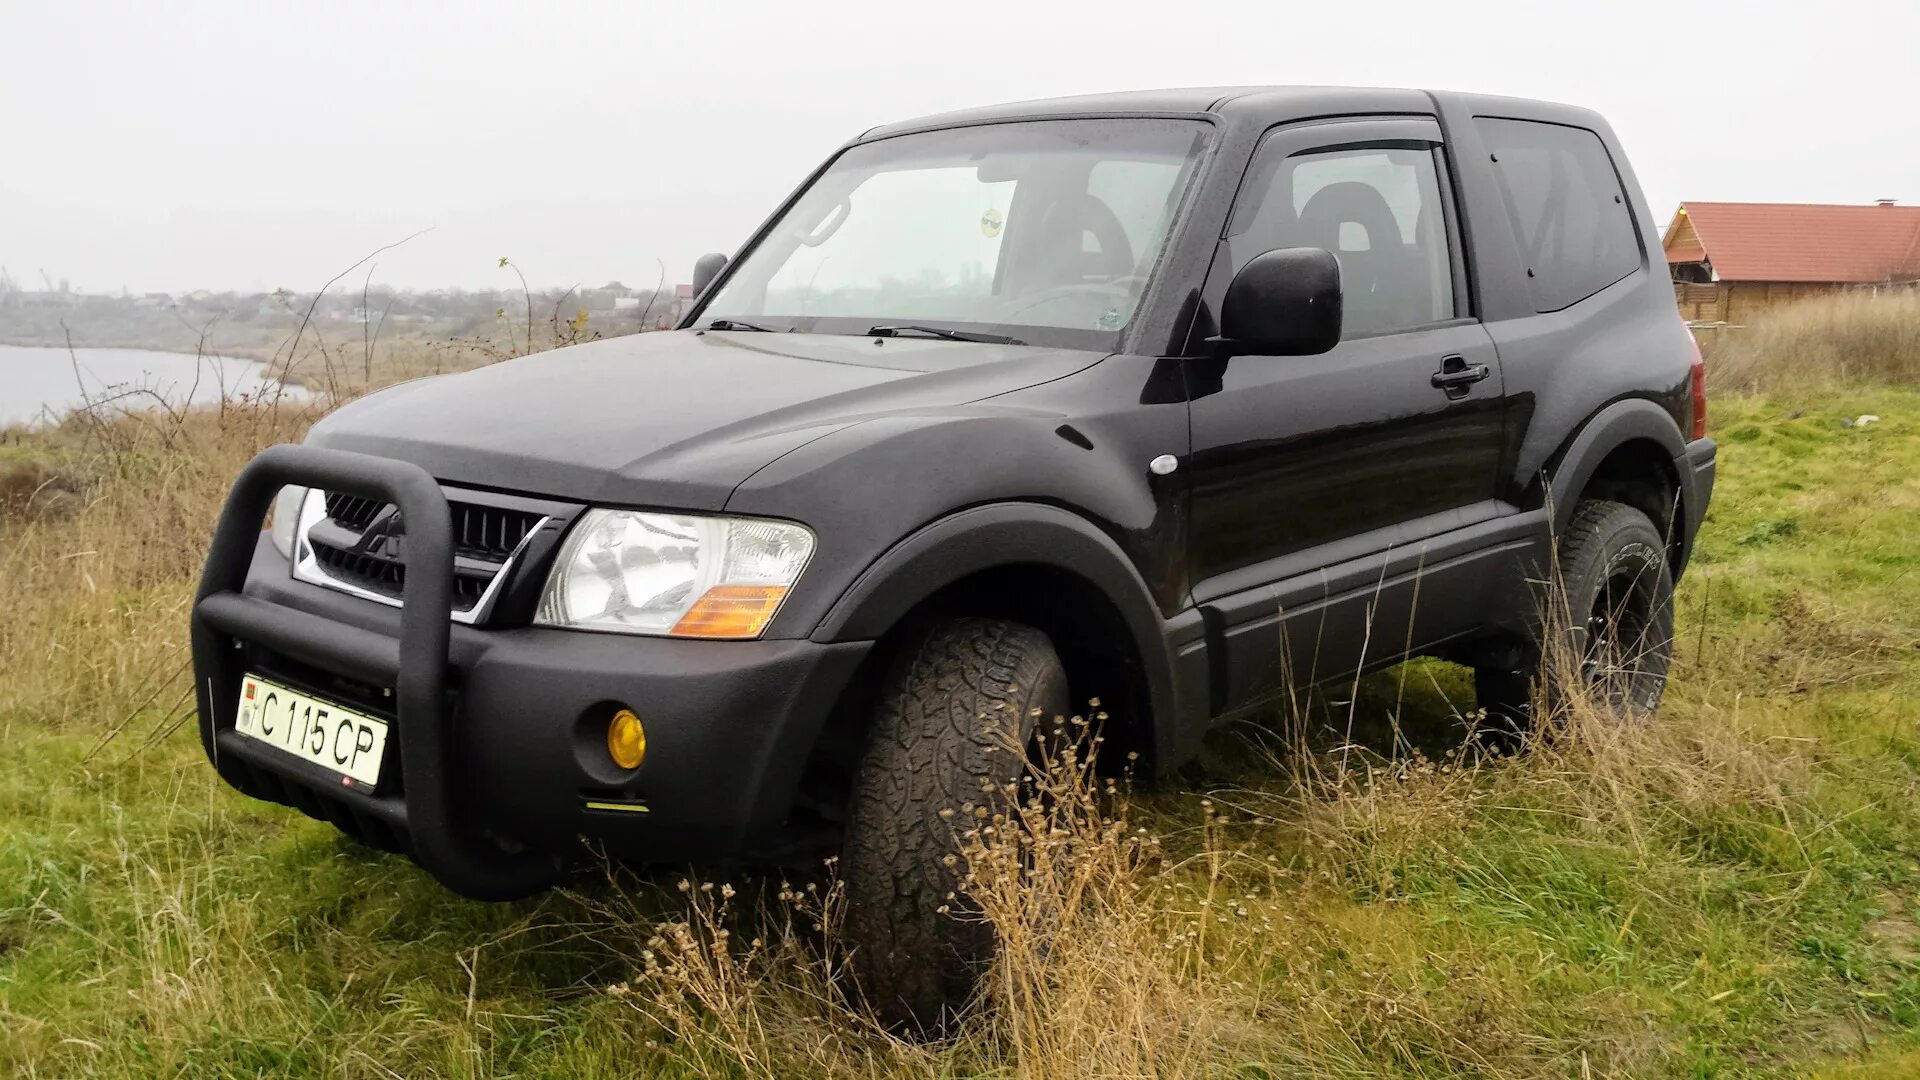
pixel 1612 427
pixel 1013 534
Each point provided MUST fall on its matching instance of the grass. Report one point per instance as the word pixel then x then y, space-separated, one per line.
pixel 1731 890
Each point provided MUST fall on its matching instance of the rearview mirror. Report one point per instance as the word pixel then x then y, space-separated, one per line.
pixel 1284 302
pixel 705 269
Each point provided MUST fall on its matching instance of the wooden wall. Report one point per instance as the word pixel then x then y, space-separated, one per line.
pixel 1681 236
pixel 1701 303
pixel 1740 302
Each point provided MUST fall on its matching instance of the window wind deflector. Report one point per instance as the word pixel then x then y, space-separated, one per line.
pixel 942 332
pixel 735 324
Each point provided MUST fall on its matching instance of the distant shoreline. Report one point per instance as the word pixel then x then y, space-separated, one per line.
pixel 249 355
pixel 32 341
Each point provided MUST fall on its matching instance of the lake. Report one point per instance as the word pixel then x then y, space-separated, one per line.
pixel 39 382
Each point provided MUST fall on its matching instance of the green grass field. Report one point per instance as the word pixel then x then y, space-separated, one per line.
pixel 1731 890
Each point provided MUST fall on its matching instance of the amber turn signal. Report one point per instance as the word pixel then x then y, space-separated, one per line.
pixel 731 611
pixel 626 740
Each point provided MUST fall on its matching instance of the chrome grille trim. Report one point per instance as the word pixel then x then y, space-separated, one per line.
pixel 308 568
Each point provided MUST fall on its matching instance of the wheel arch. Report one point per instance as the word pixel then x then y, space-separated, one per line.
pixel 1044 566
pixel 1628 452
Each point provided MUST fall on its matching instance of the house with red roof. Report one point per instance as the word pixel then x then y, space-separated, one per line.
pixel 1731 261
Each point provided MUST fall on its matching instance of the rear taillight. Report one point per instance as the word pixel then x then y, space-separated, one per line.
pixel 1699 379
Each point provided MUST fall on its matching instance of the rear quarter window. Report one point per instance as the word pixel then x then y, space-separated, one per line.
pixel 1569 211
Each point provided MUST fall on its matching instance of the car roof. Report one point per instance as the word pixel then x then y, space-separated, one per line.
pixel 1184 101
pixel 1260 105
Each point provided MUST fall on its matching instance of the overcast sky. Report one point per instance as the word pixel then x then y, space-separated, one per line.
pixel 255 145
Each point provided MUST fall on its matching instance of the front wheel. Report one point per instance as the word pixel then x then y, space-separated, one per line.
pixel 1609 632
pixel 956 713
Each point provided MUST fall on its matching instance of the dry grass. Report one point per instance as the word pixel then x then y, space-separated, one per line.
pixel 1844 338
pixel 98 581
pixel 1110 964
pixel 1126 953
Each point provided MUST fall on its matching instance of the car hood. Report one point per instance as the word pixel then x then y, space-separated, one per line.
pixel 673 419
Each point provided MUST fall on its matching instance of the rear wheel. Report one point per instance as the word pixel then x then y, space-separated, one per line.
pixel 958 707
pixel 1610 631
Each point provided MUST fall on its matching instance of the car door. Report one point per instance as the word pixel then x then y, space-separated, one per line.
pixel 1333 496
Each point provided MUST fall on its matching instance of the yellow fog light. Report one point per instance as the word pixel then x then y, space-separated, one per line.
pixel 626 740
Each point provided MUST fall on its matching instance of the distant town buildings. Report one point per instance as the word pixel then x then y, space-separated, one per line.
pixel 610 309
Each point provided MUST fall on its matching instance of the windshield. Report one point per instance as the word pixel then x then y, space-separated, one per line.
pixel 1045 232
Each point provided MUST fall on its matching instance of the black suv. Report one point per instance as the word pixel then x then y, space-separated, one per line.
pixel 1172 398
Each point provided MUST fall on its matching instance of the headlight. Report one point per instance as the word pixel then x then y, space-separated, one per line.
pixel 286 518
pixel 673 574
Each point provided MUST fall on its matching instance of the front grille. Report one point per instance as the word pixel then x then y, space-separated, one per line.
pixel 351 510
pixel 490 532
pixel 360 543
pixel 372 573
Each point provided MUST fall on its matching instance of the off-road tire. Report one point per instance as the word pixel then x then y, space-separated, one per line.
pixel 959 704
pixel 1607 546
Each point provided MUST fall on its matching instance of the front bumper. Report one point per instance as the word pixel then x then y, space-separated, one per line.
pixel 500 732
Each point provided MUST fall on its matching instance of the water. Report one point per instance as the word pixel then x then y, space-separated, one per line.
pixel 40 383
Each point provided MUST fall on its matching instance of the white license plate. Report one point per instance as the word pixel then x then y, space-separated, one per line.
pixel 329 735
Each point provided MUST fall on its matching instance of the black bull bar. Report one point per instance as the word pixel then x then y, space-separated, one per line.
pixel 428 813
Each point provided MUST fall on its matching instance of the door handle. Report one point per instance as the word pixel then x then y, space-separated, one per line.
pixel 1456 375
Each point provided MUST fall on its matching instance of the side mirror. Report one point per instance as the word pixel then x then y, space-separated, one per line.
pixel 1284 302
pixel 705 269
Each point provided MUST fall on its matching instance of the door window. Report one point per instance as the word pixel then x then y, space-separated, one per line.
pixel 1568 209
pixel 1378 209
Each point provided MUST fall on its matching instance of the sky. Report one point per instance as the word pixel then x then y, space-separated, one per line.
pixel 186 145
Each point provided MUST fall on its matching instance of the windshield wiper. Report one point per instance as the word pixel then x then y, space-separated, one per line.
pixel 942 332
pixel 735 324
